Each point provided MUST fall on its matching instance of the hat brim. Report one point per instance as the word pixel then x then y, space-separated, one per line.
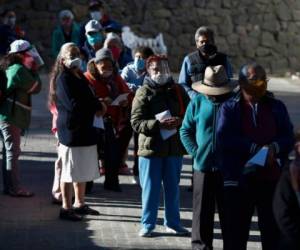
pixel 208 90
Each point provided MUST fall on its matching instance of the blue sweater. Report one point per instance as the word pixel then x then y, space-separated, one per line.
pixel 235 149
pixel 198 132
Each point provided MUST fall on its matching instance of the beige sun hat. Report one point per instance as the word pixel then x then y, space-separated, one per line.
pixel 215 82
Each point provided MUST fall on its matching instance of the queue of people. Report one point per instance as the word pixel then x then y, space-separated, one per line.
pixel 100 95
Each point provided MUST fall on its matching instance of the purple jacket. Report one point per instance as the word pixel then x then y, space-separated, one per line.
pixel 236 149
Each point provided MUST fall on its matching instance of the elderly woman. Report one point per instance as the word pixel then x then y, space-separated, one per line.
pixel 157 112
pixel 66 31
pixel 255 136
pixel 121 54
pixel 77 108
pixel 108 85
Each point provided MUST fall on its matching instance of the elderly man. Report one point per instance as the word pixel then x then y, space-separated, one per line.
pixel 195 63
pixel 67 31
pixel 255 136
pixel 198 135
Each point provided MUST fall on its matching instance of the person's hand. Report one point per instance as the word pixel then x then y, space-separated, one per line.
pixel 169 123
pixel 107 100
pixel 295 175
pixel 102 111
pixel 123 103
pixel 271 157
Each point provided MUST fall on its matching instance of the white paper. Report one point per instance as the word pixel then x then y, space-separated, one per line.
pixel 98 122
pixel 259 158
pixel 165 133
pixel 119 99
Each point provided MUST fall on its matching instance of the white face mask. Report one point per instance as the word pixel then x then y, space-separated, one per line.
pixel 73 63
pixel 161 79
pixel 96 15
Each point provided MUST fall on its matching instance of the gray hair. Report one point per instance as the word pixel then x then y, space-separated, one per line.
pixel 205 31
pixel 65 13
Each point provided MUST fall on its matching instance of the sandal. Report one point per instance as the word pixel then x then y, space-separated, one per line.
pixel 21 193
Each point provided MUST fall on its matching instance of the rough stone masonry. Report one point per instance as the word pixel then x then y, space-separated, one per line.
pixel 265 30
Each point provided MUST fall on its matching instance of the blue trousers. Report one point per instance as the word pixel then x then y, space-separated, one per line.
pixel 153 172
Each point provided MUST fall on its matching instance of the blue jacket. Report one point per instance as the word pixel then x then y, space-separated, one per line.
pixel 125 57
pixel 132 77
pixel 186 73
pixel 198 132
pixel 236 149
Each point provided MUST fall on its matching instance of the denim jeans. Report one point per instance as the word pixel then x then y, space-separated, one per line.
pixel 153 172
pixel 11 136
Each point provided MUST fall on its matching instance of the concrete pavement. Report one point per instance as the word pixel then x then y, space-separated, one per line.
pixel 33 223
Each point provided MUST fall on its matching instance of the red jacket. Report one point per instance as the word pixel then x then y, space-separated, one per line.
pixel 119 115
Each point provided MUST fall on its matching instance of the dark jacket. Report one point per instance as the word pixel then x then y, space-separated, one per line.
pixel 287 213
pixel 149 101
pixel 76 106
pixel 236 149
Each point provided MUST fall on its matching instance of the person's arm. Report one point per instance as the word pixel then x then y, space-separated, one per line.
pixel 285 208
pixel 228 68
pixel 140 120
pixel 284 141
pixel 185 79
pixel 188 131
pixel 126 75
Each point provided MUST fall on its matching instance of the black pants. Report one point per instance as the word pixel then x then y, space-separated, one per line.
pixel 114 152
pixel 208 192
pixel 239 204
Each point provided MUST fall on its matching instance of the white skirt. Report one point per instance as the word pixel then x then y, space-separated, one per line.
pixel 79 164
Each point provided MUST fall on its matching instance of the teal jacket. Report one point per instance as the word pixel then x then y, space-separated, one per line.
pixel 198 132
pixel 58 38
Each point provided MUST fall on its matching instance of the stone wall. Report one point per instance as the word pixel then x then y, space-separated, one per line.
pixel 265 30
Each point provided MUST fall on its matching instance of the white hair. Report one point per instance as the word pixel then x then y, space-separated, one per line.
pixel 65 13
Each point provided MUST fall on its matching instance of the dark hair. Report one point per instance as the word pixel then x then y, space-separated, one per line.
pixel 10 59
pixel 56 70
pixel 92 69
pixel 145 51
pixel 94 4
pixel 205 31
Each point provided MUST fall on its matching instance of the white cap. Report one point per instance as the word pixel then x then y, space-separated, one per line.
pixel 19 46
pixel 93 26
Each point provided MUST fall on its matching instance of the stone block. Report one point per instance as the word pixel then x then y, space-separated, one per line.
pixel 268 39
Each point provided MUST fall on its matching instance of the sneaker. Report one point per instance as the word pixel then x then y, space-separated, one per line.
pixel 144 232
pixel 85 210
pixel 69 214
pixel 124 170
pixel 135 180
pixel 179 230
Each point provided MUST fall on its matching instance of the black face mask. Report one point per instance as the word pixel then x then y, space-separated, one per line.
pixel 208 50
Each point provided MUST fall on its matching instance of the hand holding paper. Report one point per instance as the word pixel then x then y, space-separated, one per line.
pixel 163 117
pixel 121 98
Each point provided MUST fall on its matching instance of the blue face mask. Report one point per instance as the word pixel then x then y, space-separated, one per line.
pixel 139 64
pixel 94 39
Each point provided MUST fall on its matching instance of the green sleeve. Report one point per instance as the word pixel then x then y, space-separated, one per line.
pixel 140 115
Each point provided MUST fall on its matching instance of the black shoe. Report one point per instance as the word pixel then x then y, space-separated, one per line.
pixel 89 187
pixel 85 210
pixel 69 214
pixel 115 188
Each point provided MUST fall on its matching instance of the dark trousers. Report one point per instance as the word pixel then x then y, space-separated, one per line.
pixel 240 203
pixel 114 152
pixel 207 193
